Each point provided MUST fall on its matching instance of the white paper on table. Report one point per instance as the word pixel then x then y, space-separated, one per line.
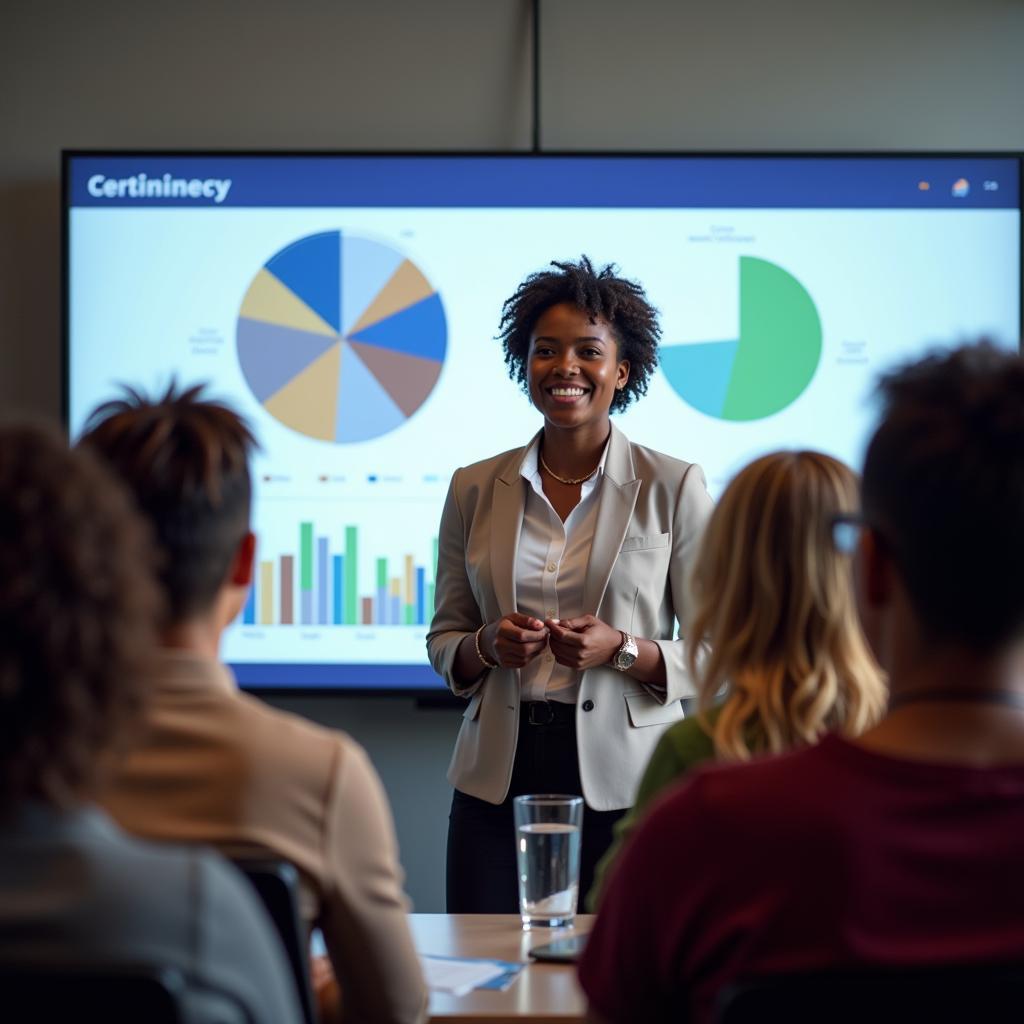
pixel 444 974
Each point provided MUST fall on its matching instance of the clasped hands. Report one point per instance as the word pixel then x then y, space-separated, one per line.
pixel 579 643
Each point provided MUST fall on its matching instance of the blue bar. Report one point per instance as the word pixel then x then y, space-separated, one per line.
pixel 371 677
pixel 249 612
pixel 307 607
pixel 339 589
pixel 321 580
pixel 543 181
pixel 383 618
pixel 421 595
pixel 395 613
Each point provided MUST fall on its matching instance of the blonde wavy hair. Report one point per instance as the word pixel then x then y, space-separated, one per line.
pixel 774 600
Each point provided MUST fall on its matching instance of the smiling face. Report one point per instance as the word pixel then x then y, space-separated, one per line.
pixel 574 368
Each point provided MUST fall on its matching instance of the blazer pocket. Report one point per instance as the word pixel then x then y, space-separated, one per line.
pixel 645 710
pixel 655 540
pixel 473 710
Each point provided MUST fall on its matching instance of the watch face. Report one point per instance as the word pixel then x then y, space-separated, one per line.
pixel 624 659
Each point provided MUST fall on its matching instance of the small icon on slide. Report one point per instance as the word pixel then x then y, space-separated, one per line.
pixel 961 188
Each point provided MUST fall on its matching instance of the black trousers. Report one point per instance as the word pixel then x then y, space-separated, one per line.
pixel 481 868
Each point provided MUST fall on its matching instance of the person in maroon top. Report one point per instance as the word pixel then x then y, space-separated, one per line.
pixel 906 845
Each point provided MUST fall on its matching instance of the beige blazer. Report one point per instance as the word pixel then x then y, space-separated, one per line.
pixel 651 514
pixel 217 766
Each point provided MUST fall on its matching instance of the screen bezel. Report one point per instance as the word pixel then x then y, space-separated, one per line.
pixel 439 695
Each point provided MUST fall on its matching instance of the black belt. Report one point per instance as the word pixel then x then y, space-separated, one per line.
pixel 547 712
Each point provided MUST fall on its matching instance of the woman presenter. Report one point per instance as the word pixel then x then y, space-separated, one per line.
pixel 561 572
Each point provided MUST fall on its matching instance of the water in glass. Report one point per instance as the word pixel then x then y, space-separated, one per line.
pixel 548 855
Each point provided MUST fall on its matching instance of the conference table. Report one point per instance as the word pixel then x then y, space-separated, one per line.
pixel 543 993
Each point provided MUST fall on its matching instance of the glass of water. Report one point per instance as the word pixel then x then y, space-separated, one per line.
pixel 548 858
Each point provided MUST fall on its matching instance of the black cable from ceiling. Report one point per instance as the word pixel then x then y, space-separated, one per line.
pixel 535 34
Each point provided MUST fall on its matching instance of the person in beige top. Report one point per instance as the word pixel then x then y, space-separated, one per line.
pixel 218 766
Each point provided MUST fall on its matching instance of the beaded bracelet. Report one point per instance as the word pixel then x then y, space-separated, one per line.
pixel 479 653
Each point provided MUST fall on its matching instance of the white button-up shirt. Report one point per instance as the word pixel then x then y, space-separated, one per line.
pixel 551 566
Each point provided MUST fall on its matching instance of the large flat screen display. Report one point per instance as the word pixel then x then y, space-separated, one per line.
pixel 347 305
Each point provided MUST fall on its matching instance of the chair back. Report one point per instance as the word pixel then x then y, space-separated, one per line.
pixel 277 884
pixel 936 993
pixel 62 993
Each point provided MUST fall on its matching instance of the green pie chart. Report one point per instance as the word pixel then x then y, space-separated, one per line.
pixel 771 363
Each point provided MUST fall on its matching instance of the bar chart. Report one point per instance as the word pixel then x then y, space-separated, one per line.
pixel 319 583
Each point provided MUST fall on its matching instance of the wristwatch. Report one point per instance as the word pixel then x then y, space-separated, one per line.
pixel 625 656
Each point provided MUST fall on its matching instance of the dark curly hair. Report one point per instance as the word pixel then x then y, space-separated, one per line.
pixel 943 485
pixel 186 460
pixel 601 294
pixel 78 607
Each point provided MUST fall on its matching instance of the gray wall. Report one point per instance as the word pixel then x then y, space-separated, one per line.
pixel 402 74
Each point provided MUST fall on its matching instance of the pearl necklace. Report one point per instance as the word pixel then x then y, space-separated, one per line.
pixel 568 480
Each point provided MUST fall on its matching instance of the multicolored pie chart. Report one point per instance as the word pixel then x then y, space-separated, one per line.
pixel 341 338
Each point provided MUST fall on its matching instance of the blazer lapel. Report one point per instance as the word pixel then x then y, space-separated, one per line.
pixel 619 492
pixel 507 501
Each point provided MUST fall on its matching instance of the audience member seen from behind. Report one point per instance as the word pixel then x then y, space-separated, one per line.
pixel 221 767
pixel 902 846
pixel 773 597
pixel 78 607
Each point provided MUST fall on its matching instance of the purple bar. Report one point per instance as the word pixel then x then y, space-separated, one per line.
pixel 287 590
pixel 321 580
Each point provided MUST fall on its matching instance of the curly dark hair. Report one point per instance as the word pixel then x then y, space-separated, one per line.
pixel 601 294
pixel 943 485
pixel 78 607
pixel 186 460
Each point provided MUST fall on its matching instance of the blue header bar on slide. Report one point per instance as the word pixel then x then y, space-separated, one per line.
pixel 528 181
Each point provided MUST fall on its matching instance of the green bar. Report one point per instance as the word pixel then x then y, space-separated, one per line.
pixel 306 551
pixel 410 614
pixel 351 576
pixel 430 601
pixel 382 574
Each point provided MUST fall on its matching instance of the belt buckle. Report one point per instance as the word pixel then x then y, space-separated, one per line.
pixel 537 717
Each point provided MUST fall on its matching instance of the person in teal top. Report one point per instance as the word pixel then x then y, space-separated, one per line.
pixel 785 660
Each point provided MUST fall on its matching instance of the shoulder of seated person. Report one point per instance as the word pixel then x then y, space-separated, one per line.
pixel 690 731
pixel 765 781
pixel 165 864
pixel 288 727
